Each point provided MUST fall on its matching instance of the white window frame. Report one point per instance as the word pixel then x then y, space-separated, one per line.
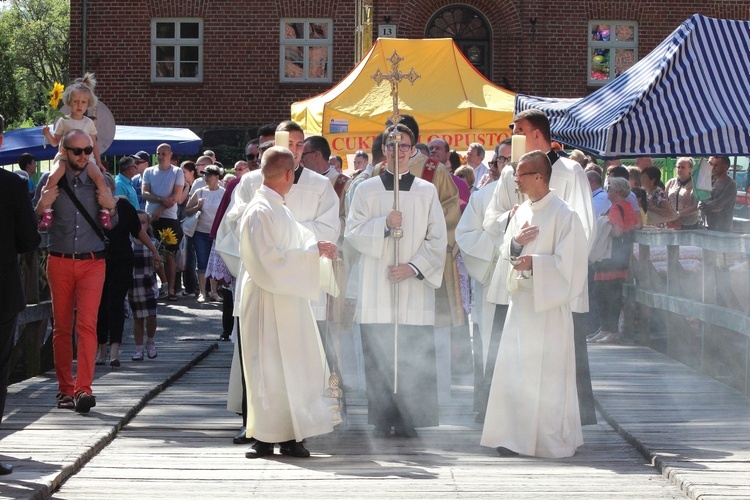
pixel 306 44
pixel 611 44
pixel 177 43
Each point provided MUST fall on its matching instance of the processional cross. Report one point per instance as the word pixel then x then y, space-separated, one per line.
pixel 393 140
pixel 394 77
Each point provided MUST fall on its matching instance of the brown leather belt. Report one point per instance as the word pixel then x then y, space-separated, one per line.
pixel 79 256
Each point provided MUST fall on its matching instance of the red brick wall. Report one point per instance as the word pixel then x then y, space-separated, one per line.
pixel 241 86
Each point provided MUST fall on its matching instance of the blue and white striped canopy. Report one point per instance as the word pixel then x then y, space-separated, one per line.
pixel 690 96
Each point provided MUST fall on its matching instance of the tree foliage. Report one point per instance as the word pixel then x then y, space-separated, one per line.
pixel 38 32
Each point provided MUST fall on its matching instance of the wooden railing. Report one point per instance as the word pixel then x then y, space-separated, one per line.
pixel 696 311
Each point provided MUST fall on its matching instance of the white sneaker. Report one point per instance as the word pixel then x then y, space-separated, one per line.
pixel 150 349
pixel 201 299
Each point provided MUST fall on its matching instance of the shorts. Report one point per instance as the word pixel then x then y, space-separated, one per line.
pixel 174 225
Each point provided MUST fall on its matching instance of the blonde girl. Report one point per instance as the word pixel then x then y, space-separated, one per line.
pixel 79 96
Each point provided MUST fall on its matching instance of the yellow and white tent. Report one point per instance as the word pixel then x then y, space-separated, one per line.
pixel 451 99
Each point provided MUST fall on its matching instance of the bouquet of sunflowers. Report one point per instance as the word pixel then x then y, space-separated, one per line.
pixel 166 237
pixel 53 106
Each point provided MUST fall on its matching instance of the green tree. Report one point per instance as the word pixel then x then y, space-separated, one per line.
pixel 10 103
pixel 39 36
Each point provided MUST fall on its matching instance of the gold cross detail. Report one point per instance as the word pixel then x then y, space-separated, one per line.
pixel 393 78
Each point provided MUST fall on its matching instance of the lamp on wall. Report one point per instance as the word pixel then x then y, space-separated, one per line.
pixel 387 19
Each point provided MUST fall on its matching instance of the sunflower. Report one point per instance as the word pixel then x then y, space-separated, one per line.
pixel 168 236
pixel 55 95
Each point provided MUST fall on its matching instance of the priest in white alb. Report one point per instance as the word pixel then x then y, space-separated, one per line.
pixel 283 359
pixel 533 403
pixel 398 402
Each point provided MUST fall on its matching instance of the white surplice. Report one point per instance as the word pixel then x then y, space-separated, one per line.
pixel 423 245
pixel 283 358
pixel 480 251
pixel 533 404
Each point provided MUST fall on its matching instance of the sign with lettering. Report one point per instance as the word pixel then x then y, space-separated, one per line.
pixel 387 30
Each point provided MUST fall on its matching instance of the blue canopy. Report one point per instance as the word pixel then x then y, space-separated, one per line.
pixel 128 140
pixel 690 96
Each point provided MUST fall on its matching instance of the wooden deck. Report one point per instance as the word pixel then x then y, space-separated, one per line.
pixel 161 430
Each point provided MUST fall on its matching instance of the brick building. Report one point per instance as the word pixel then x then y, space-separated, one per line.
pixel 225 67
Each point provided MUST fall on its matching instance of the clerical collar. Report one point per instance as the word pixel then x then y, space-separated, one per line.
pixel 405 181
pixel 325 174
pixel 298 173
pixel 552 156
pixel 532 203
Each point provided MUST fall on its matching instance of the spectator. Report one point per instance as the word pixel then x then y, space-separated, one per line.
pixel 682 198
pixel 124 180
pixel 142 162
pixel 475 159
pixel 611 273
pixel 144 290
pixel 18 227
pixel 336 162
pixel 659 210
pixel 719 209
pixel 27 162
pixel 206 200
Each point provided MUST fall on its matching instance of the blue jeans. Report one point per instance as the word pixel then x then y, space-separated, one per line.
pixel 202 242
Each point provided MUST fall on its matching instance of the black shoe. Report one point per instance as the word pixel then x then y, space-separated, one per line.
pixel 84 402
pixel 259 450
pixel 405 431
pixel 505 452
pixel 241 438
pixel 225 336
pixel 382 430
pixel 115 363
pixel 293 449
pixel 5 469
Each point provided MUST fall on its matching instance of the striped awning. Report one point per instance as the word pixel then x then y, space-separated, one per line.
pixel 690 96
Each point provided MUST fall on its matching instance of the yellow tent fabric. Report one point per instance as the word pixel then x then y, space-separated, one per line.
pixel 451 99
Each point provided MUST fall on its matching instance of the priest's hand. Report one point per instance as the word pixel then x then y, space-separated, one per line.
pixel 399 273
pixel 526 234
pixel 327 249
pixel 393 219
pixel 523 263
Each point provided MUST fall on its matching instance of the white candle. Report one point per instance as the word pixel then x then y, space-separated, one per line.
pixel 517 147
pixel 282 138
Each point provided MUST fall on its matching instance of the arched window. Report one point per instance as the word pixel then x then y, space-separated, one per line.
pixel 469 29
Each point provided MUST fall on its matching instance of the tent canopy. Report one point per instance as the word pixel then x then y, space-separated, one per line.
pixel 450 95
pixel 687 97
pixel 128 140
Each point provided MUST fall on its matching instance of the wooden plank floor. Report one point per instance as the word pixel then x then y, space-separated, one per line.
pixel 180 445
pixel 694 429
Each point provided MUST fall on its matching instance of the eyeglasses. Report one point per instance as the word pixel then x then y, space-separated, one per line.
pixel 77 151
pixel 502 159
pixel 251 157
pixel 401 147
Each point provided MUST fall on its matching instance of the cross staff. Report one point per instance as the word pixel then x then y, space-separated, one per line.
pixel 394 140
pixel 393 78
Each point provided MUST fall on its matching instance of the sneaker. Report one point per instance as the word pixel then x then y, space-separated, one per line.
pixel 163 291
pixel 138 356
pixel 104 219
pixel 84 402
pixel 46 221
pixel 150 349
pixel 201 299
pixel 185 293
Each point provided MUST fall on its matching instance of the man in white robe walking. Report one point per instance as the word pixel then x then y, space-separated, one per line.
pixel 419 273
pixel 283 360
pixel 533 403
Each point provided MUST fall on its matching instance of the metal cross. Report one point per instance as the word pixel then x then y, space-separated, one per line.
pixel 393 78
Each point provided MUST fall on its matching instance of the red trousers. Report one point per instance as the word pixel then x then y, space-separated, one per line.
pixel 76 288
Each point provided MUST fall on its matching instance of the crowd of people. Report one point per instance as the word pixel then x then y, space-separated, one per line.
pixel 494 243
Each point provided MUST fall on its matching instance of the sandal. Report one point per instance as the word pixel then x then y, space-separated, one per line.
pixel 65 402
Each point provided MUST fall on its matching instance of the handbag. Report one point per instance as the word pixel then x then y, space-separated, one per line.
pixel 180 256
pixel 63 183
pixel 189 224
pixel 622 248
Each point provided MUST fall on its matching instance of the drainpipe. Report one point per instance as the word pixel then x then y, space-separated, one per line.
pixel 84 35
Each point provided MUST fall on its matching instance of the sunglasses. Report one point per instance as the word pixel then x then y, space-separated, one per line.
pixel 77 151
pixel 251 157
